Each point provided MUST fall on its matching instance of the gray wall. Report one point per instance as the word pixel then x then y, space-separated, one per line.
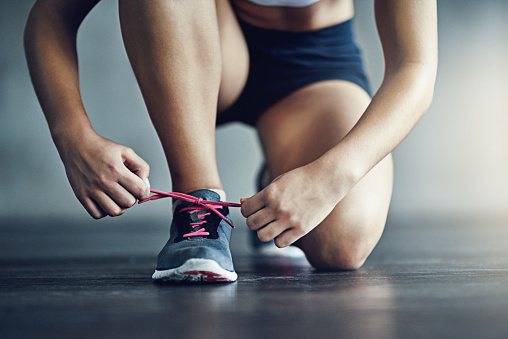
pixel 455 162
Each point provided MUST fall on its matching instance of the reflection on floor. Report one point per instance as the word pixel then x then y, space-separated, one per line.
pixel 428 278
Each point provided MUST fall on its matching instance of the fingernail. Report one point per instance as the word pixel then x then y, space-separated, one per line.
pixel 147 183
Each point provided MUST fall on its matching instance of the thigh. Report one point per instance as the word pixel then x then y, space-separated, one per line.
pixel 301 128
pixel 235 57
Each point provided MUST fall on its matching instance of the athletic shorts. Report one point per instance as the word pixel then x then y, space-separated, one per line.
pixel 281 62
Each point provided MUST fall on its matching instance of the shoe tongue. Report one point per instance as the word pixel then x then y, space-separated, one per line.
pixel 201 193
pixel 206 195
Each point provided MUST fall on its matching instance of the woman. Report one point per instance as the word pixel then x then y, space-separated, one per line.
pixel 289 68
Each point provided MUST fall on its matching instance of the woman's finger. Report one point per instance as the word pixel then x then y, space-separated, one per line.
pixel 92 208
pixel 286 238
pixel 107 204
pixel 260 219
pixel 136 164
pixel 137 168
pixel 135 185
pixel 121 196
pixel 271 231
pixel 252 204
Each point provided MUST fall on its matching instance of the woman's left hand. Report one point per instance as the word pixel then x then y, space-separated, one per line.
pixel 291 206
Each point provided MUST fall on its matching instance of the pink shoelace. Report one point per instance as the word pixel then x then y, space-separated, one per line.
pixel 202 205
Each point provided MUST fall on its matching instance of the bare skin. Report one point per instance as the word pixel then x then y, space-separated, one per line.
pixel 106 177
pixel 295 139
pixel 176 59
pixel 332 182
pixel 346 178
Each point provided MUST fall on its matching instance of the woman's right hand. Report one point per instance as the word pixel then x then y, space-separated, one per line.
pixel 107 178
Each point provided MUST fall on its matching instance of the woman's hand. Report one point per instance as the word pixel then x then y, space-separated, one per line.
pixel 107 178
pixel 291 206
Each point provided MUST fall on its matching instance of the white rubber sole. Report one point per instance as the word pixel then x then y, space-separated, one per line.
pixel 196 270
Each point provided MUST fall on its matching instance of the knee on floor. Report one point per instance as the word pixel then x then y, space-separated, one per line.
pixel 345 245
pixel 338 260
pixel 342 250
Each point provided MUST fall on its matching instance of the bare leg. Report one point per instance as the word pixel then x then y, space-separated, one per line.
pixel 174 49
pixel 182 54
pixel 298 130
pixel 190 59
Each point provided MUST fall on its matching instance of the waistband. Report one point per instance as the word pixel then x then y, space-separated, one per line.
pixel 336 34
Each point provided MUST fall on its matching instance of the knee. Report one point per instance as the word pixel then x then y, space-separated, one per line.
pixel 344 246
pixel 349 259
pixel 340 251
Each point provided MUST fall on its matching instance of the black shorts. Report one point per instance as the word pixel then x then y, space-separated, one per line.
pixel 282 62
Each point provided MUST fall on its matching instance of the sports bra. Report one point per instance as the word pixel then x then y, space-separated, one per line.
pixel 285 3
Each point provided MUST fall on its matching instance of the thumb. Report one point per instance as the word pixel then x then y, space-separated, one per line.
pixel 147 184
pixel 147 190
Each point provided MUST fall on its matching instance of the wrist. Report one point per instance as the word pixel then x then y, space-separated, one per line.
pixel 341 173
pixel 70 135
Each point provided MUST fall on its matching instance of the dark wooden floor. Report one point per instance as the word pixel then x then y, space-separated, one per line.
pixel 428 278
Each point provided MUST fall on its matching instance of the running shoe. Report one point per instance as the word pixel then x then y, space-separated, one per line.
pixel 198 245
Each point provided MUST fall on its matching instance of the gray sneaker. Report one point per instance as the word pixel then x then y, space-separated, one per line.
pixel 198 245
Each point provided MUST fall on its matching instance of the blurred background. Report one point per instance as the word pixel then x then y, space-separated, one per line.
pixel 453 165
